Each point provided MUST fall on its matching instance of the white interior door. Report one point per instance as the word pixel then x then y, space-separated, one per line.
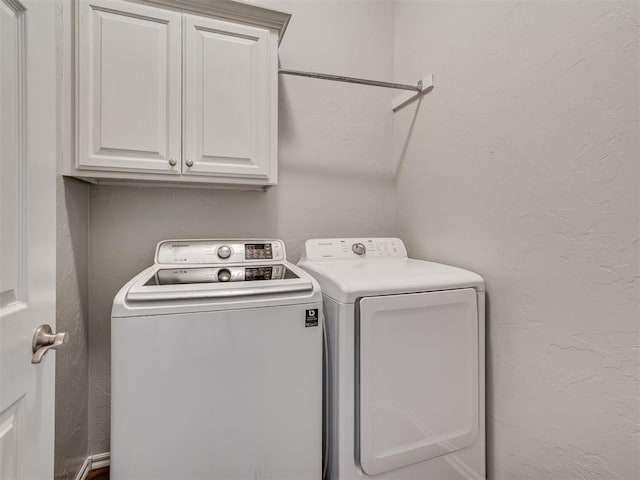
pixel 419 377
pixel 27 234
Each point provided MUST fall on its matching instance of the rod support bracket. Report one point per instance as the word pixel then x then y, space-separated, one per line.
pixel 406 98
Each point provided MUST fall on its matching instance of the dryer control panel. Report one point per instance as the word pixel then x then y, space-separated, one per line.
pixel 215 252
pixel 354 248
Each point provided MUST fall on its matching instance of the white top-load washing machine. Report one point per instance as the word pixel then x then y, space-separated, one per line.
pixel 216 355
pixel 405 362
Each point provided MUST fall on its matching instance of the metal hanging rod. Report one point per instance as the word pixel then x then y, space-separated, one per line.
pixel 362 81
pixel 423 87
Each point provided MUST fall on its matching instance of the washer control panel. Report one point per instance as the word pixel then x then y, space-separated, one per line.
pixel 195 252
pixel 354 248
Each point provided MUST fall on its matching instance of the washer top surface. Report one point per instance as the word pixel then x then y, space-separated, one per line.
pixel 350 268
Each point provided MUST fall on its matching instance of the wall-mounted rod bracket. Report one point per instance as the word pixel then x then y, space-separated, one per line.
pixel 404 99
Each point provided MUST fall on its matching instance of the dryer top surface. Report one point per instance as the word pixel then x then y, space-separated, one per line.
pixel 346 278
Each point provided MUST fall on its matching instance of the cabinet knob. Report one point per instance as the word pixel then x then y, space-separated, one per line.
pixel 189 163
pixel 172 162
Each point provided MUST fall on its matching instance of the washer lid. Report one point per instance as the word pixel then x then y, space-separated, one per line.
pixel 346 276
pixel 217 282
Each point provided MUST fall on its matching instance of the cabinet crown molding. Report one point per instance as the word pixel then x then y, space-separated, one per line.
pixel 233 10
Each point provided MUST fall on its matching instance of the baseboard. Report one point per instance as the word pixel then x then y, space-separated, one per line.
pixel 100 460
pixel 84 469
pixel 92 462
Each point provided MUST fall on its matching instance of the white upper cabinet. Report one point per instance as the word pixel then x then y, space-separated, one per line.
pixel 168 96
pixel 129 87
pixel 230 73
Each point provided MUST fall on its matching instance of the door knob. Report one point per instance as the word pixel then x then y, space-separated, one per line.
pixel 189 163
pixel 44 340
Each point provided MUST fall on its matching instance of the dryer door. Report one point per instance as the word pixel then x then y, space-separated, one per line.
pixel 418 376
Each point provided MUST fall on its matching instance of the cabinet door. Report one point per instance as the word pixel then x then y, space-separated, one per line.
pixel 129 92
pixel 230 108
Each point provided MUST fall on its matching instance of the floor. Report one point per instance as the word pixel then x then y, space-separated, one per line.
pixel 99 474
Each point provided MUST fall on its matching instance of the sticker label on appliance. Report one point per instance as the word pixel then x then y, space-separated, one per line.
pixel 312 318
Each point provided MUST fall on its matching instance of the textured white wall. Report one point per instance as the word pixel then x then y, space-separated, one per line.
pixel 72 316
pixel 335 173
pixel 72 285
pixel 522 165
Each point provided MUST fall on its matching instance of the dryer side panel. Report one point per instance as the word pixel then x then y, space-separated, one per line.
pixel 419 377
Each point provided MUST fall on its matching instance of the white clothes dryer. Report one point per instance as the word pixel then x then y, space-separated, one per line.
pixel 405 362
pixel 216 354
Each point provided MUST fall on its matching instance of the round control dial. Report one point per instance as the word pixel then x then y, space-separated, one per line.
pixel 224 252
pixel 359 248
pixel 224 275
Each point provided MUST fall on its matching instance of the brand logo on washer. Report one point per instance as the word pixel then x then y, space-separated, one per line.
pixel 311 319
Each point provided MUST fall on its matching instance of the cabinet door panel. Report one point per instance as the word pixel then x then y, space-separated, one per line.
pixel 230 91
pixel 129 87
